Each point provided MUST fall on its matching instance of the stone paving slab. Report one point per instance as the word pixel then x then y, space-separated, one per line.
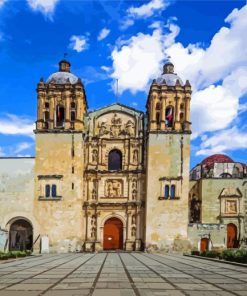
pixel 121 274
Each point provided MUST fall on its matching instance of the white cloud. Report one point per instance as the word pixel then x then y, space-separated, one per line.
pixel 143 11
pixel 103 34
pixel 105 68
pixel 22 146
pixel 2 2
pixel 78 43
pixel 137 60
pixel 46 7
pixel 218 73
pixel 15 125
pixel 220 142
pixel 147 10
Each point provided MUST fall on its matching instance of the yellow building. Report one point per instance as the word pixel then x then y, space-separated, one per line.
pixel 113 178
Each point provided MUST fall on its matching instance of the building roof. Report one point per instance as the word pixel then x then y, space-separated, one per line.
pixel 62 78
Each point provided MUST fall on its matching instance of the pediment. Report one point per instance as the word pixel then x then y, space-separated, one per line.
pixel 231 192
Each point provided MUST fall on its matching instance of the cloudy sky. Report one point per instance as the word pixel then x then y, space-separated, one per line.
pixel 129 41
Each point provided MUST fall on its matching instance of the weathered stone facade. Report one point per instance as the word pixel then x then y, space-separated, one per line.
pixel 116 177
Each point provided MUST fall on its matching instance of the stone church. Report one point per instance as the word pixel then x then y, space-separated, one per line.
pixel 117 178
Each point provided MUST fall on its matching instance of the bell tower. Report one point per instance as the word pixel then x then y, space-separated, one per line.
pixel 168 155
pixel 59 163
pixel 61 101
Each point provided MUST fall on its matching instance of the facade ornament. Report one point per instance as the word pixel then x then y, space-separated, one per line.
pixel 94 155
pixel 113 188
pixel 135 156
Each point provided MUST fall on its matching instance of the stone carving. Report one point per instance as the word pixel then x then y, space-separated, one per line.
pixel 134 194
pixel 94 190
pixel 116 127
pixel 133 220
pixel 134 184
pixel 113 188
pixel 231 206
pixel 135 156
pixel 133 231
pixel 195 210
pixel 94 155
pixel 103 129
pixel 130 128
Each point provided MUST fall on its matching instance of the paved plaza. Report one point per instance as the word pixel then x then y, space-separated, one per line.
pixel 120 274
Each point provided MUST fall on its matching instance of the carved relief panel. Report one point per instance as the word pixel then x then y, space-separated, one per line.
pixel 114 188
pixel 115 125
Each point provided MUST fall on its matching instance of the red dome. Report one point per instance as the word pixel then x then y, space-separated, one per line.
pixel 216 158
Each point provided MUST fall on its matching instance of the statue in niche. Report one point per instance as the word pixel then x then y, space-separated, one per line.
pixel 94 190
pixel 93 232
pixel 134 184
pixel 113 188
pixel 93 220
pixel 135 156
pixel 133 231
pixel 133 219
pixel 94 155
pixel 231 206
pixel 195 209
pixel 115 126
pixel 130 128
pixel 134 194
pixel 103 128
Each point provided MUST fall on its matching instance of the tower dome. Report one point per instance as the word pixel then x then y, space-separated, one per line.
pixel 63 76
pixel 216 158
pixel 168 76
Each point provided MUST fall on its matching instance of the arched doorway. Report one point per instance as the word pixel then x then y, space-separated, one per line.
pixel 113 234
pixel 232 232
pixel 204 244
pixel 20 235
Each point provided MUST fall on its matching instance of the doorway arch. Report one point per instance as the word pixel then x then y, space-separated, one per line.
pixel 232 232
pixel 20 235
pixel 113 234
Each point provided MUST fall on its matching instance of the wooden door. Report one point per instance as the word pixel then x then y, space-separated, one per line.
pixel 113 234
pixel 231 235
pixel 204 244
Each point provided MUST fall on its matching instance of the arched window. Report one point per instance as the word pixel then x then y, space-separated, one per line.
pixel 115 160
pixel 173 191
pixel 46 116
pixel 166 191
pixel 53 190
pixel 182 106
pixel 47 190
pixel 60 116
pixel 47 105
pixel 181 116
pixel 72 115
pixel 158 117
pixel 72 105
pixel 158 106
pixel 169 116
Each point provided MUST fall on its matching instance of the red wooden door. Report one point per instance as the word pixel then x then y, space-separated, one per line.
pixel 231 235
pixel 113 234
pixel 204 244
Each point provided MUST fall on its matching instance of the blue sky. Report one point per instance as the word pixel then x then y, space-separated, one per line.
pixel 128 41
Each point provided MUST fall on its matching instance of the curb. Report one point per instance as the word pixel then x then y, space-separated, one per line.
pixel 218 260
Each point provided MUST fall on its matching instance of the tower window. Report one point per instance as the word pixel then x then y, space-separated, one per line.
pixel 46 115
pixel 73 170
pixel 158 106
pixel 60 116
pixel 72 186
pixel 53 190
pixel 72 115
pixel 115 160
pixel 47 105
pixel 72 105
pixel 47 190
pixel 181 116
pixel 182 106
pixel 173 191
pixel 157 117
pixel 166 191
pixel 169 116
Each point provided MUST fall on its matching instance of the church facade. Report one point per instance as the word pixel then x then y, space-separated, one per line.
pixel 118 178
pixel 113 178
